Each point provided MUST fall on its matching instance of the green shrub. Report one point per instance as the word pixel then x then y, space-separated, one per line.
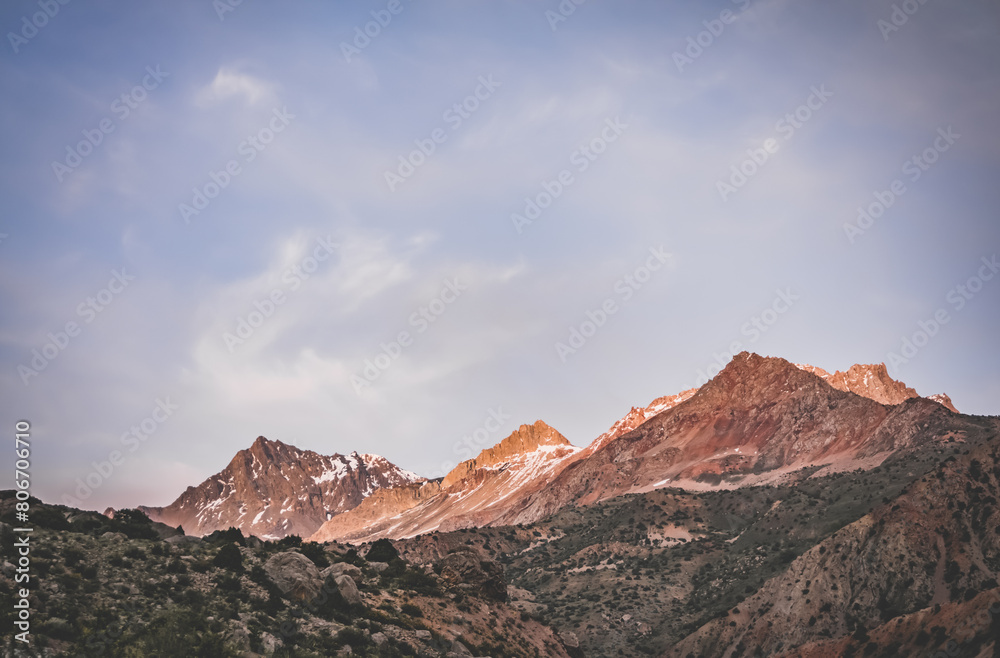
pixel 229 557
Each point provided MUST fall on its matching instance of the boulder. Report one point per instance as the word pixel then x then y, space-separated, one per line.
pixel 378 639
pixel 269 643
pixel 348 589
pixel 295 575
pixel 378 567
pixel 342 569
pixel 569 639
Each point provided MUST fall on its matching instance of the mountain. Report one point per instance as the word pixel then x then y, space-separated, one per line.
pixel 474 493
pixel 915 573
pixel 272 490
pixel 758 420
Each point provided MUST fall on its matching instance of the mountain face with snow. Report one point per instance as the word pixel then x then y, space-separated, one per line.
pixel 272 490
pixel 475 493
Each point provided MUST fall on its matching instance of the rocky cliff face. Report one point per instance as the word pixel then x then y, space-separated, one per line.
pixel 273 489
pixel 872 381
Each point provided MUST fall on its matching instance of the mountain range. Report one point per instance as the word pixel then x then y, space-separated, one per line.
pixel 759 420
pixel 777 510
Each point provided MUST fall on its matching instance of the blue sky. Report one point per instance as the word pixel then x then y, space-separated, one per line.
pixel 611 119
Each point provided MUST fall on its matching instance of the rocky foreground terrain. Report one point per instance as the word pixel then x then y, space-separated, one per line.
pixel 131 587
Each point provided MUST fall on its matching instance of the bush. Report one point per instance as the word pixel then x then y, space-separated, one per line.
pixel 382 551
pixel 72 557
pixel 227 536
pixel 177 632
pixel 134 524
pixel 315 552
pixel 229 557
pixel 411 610
pixel 352 636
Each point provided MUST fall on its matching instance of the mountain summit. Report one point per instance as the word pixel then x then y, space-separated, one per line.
pixel 272 490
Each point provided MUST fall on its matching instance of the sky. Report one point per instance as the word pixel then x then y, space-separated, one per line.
pixel 407 228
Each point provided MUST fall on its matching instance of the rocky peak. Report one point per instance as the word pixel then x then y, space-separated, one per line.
pixel 872 380
pixel 273 489
pixel 943 399
pixel 524 440
pixel 750 379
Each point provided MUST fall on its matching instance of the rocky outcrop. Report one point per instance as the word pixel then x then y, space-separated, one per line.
pixel 867 380
pixel 273 490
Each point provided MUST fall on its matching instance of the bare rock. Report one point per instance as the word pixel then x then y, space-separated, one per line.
pixel 341 569
pixel 348 589
pixel 295 575
pixel 570 639
pixel 269 643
